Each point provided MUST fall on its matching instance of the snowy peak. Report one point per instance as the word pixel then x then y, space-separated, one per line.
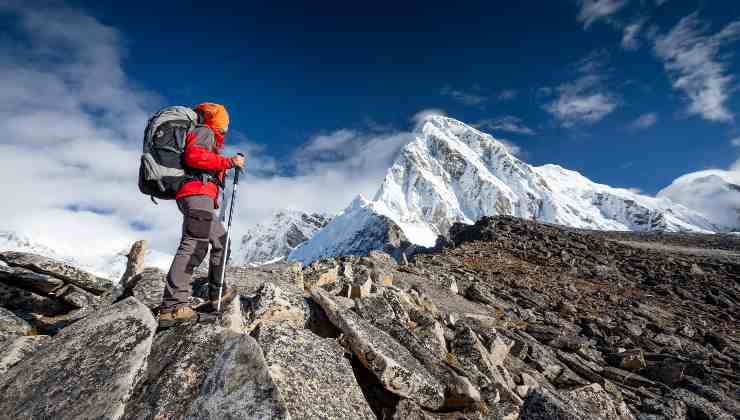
pixel 452 172
pixel 359 229
pixel 715 193
pixel 274 239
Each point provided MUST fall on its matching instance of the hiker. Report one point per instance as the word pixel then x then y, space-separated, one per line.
pixel 197 199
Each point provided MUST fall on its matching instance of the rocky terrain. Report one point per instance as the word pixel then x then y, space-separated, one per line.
pixel 505 319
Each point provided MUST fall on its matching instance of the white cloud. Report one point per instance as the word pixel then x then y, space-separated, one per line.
pixel 691 58
pixel 72 125
pixel 644 121
pixel 507 123
pixel 735 142
pixel 594 10
pixel 465 98
pixel 630 35
pixel 420 117
pixel 584 101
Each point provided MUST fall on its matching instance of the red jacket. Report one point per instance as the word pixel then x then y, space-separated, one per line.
pixel 202 151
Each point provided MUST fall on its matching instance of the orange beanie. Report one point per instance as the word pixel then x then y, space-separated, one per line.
pixel 214 115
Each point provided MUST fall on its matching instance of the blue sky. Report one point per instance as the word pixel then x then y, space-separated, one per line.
pixel 288 73
pixel 631 93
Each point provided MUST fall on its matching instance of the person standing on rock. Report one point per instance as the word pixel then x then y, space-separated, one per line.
pixel 197 200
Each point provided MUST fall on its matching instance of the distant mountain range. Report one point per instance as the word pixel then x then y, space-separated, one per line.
pixel 449 173
pixel 454 173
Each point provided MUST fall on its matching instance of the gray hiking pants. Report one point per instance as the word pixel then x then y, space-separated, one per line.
pixel 199 228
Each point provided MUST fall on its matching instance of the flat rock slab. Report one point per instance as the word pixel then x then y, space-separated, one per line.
pixel 398 371
pixel 87 371
pixel 61 270
pixel 15 349
pixel 179 362
pixel 314 377
pixel 11 325
pixel 239 386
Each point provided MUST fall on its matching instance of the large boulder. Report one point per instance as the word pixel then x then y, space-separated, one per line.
pixel 58 269
pixel 396 369
pixel 239 386
pixel 87 371
pixel 312 374
pixel 180 359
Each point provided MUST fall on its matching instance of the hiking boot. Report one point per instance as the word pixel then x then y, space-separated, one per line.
pixel 178 316
pixel 228 295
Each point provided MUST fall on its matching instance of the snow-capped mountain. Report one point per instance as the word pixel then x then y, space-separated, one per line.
pixel 359 229
pixel 107 266
pixel 273 240
pixel 715 193
pixel 452 173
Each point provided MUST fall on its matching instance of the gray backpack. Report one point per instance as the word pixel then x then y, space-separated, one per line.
pixel 162 169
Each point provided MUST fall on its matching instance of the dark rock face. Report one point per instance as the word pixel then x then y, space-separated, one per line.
pixel 100 358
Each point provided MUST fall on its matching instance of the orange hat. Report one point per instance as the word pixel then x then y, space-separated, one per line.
pixel 214 115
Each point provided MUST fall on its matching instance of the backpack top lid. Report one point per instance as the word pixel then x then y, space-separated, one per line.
pixel 170 113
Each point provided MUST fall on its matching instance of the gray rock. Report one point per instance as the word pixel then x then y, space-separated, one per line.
pixel 11 325
pixel 61 270
pixel 272 304
pixel 700 408
pixel 15 298
pixel 387 311
pixel 312 374
pixel 27 279
pixel 393 365
pixel 663 409
pixel 180 359
pixel 469 350
pixel 590 402
pixel 87 371
pixel 15 349
pixel 239 386
pixel 77 297
pixel 147 287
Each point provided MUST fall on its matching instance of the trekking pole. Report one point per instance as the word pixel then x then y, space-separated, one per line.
pixel 228 232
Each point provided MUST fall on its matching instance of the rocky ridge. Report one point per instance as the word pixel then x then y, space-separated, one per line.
pixel 509 319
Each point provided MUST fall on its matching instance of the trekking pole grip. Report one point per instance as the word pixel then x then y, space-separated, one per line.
pixel 237 170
